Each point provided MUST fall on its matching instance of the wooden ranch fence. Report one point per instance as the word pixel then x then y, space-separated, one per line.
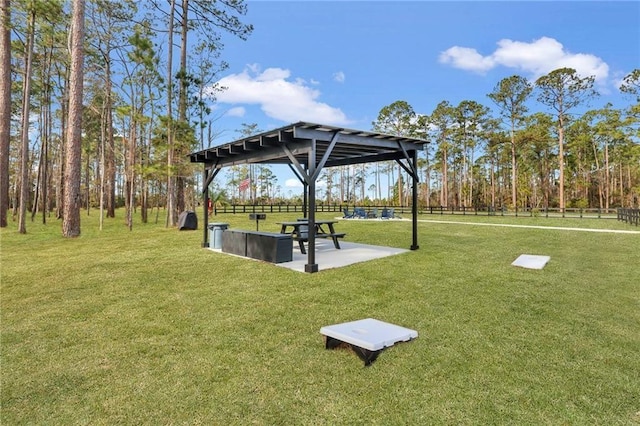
pixel 430 210
pixel 631 216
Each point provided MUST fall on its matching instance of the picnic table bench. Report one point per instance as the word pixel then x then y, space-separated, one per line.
pixel 300 232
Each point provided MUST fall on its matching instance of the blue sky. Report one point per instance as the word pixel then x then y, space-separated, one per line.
pixel 341 62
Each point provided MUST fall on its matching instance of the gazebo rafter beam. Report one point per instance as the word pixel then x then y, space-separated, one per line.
pixel 326 155
pixel 374 158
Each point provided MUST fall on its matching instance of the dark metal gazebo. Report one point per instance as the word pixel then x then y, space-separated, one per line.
pixel 308 148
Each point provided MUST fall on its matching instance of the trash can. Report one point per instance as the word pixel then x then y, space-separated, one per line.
pixel 215 234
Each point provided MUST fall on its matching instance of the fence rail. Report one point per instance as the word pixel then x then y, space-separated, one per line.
pixel 525 212
pixel 432 210
pixel 631 216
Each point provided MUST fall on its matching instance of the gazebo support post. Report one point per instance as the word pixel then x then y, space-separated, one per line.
pixel 414 206
pixel 311 265
pixel 207 178
pixel 205 191
pixel 305 198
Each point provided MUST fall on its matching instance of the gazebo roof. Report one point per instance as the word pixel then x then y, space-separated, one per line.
pixel 282 145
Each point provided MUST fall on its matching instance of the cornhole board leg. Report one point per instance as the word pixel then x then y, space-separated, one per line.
pixel 367 337
pixel 364 354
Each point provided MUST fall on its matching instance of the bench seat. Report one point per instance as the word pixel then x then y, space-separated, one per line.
pixel 303 239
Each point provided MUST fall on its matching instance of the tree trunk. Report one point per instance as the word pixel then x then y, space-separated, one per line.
pixel 144 162
pixel 109 167
pixel 598 174
pixel 182 111
pixel 607 178
pixel 182 90
pixel 72 196
pixel 561 163
pixel 400 189
pixel 427 181
pixel 42 183
pixel 64 123
pixel 103 171
pixel 622 203
pixel 630 201
pixel 171 208
pixel 130 170
pixel 493 185
pixel 444 193
pixel 36 196
pixel 87 183
pixel 46 133
pixel 24 151
pixel 5 109
pixel 45 166
pixel 471 175
pixel 514 175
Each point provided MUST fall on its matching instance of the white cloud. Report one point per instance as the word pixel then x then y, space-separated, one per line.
pixel 339 77
pixel 236 112
pixel 295 183
pixel 271 74
pixel 536 58
pixel 255 68
pixel 466 58
pixel 279 96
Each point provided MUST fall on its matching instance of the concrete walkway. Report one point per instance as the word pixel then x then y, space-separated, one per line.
pixel 557 228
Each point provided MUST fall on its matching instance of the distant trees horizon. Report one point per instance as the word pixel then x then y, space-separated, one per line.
pixel 514 158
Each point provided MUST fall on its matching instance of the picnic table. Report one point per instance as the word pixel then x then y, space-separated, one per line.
pixel 300 231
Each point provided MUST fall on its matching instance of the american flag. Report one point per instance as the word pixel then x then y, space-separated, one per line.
pixel 244 184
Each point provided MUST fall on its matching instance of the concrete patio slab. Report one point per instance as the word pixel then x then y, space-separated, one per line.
pixel 328 257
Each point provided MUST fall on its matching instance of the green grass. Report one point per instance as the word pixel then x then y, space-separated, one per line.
pixel 146 327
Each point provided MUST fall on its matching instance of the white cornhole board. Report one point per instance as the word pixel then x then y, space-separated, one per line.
pixel 370 334
pixel 531 261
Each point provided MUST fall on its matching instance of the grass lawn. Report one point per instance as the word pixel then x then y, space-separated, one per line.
pixel 146 327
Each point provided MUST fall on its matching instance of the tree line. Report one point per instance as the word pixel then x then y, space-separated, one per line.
pixel 101 101
pixel 562 155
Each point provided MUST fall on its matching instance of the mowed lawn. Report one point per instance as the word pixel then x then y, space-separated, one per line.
pixel 147 327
